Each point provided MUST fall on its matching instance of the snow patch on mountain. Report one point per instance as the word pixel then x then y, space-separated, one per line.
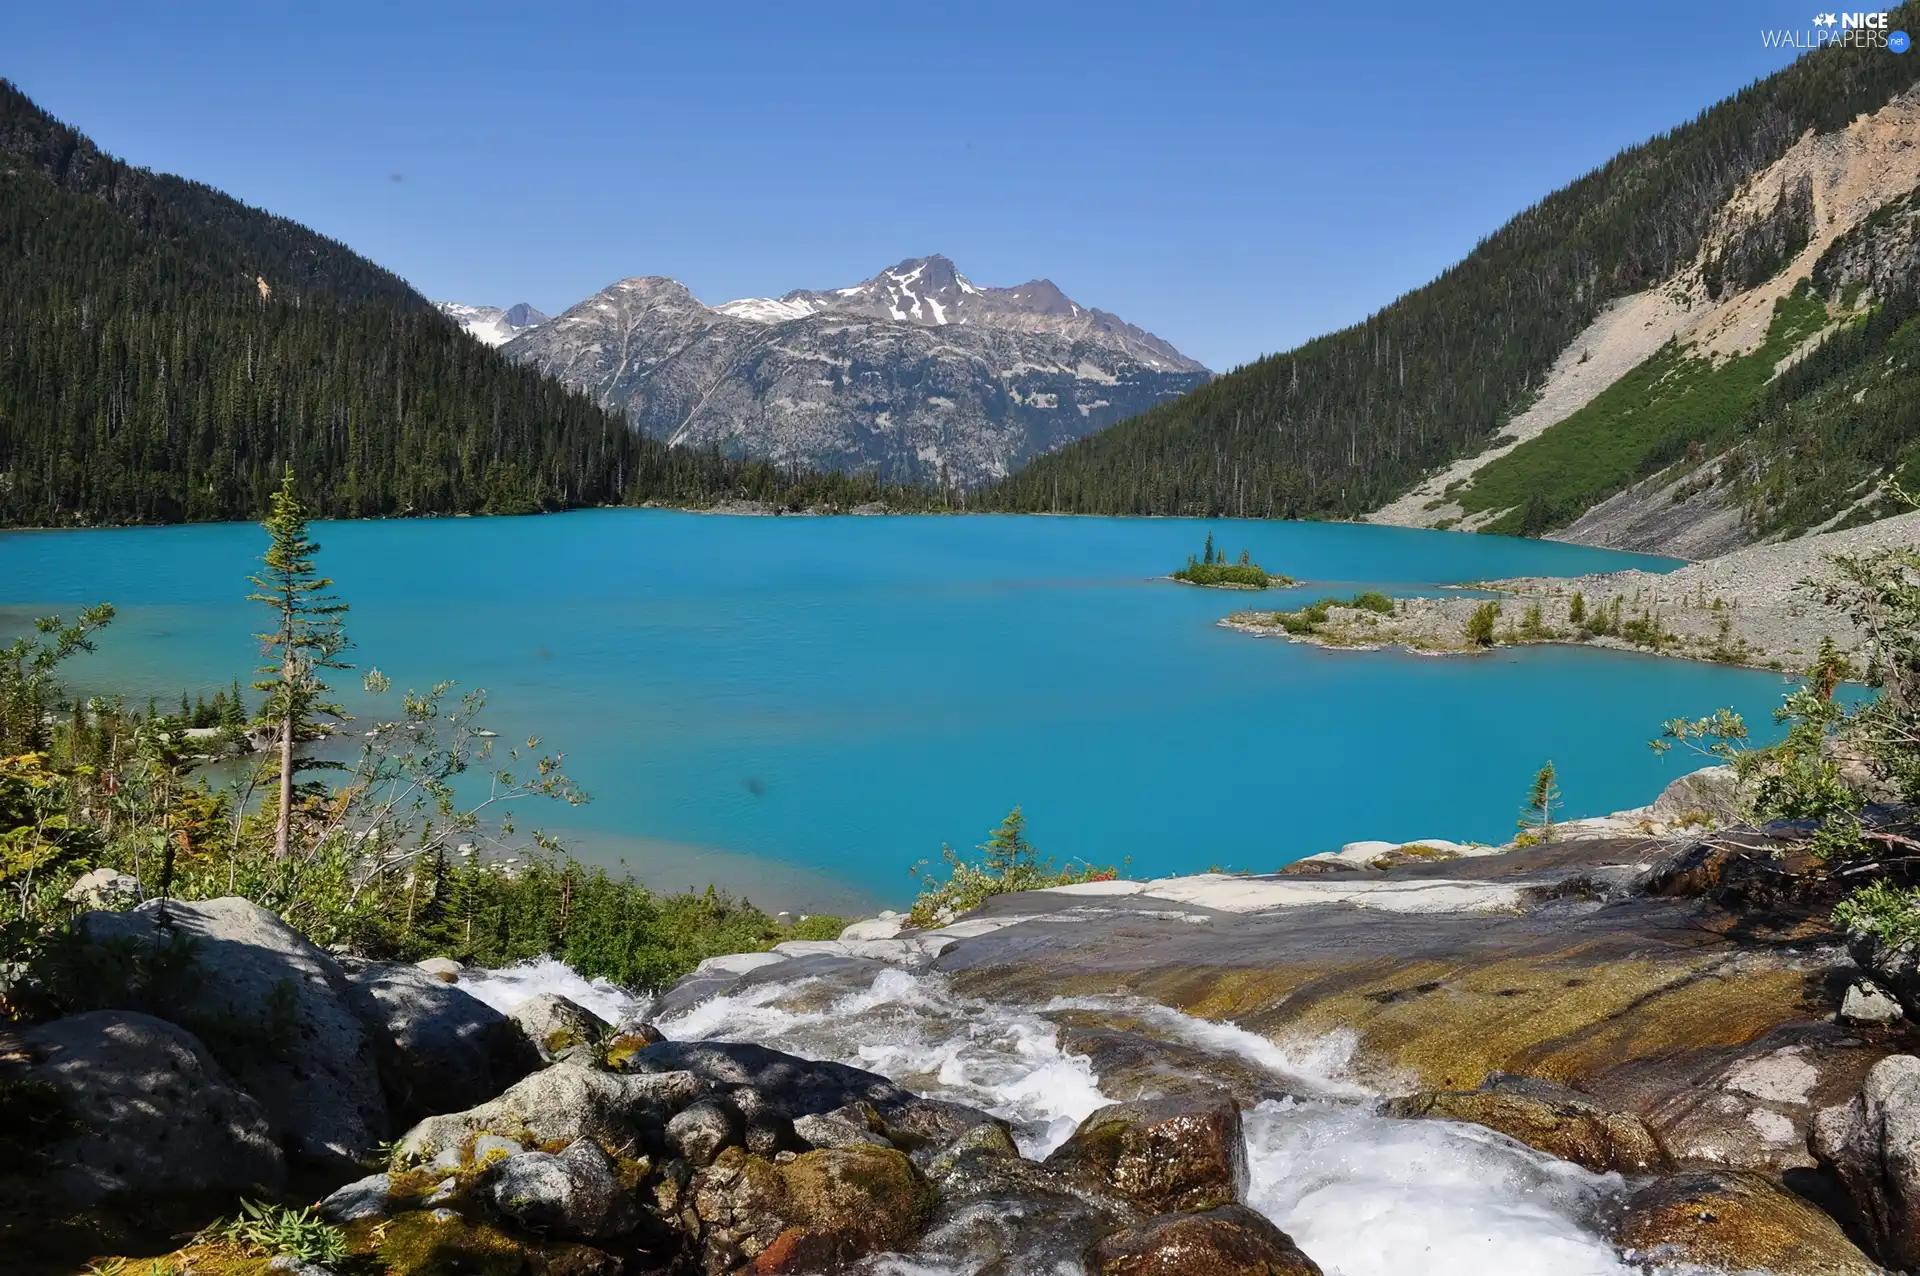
pixel 492 325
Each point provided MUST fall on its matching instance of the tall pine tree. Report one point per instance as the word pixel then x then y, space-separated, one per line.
pixel 307 637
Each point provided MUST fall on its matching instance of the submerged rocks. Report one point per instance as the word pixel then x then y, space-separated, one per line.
pixel 441 1048
pixel 1163 1155
pixel 1229 1239
pixel 1873 1145
pixel 1735 1221
pixel 272 1008
pixel 136 1104
pixel 1555 1120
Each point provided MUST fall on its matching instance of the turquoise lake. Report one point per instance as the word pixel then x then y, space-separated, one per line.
pixel 802 708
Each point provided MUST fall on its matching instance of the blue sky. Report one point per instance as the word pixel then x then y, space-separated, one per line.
pixel 1235 177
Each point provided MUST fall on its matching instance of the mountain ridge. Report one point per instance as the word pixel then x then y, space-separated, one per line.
pixel 914 375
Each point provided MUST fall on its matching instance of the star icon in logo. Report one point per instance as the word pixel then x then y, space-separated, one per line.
pixel 1824 20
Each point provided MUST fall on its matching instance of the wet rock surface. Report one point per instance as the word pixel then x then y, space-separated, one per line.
pixel 1735 1221
pixel 1231 1238
pixel 1552 1118
pixel 1163 1155
pixel 555 1025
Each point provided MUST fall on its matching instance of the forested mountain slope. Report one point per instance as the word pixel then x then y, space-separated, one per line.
pixel 166 350
pixel 1349 421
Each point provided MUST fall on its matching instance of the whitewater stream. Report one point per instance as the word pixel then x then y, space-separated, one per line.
pixel 1363 1194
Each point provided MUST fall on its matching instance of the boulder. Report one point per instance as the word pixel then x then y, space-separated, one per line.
pixel 1735 1221
pixel 1164 1155
pixel 269 1005
pixel 1229 1239
pixel 1551 1118
pixel 137 1104
pixel 445 969
pixel 1893 967
pixel 563 1103
pixel 705 1130
pixel 1868 1003
pixel 575 1194
pixel 103 888
pixel 441 1048
pixel 1873 1145
pixel 363 1198
pixel 1710 797
pixel 555 1024
pixel 784 1087
pixel 824 1130
pixel 821 1210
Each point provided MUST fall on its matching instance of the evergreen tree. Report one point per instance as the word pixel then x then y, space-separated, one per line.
pixel 307 637
pixel 1007 849
pixel 1542 800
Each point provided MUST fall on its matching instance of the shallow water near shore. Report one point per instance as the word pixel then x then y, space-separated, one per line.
pixel 803 708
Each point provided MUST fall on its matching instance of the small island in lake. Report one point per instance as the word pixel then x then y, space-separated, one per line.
pixel 1212 568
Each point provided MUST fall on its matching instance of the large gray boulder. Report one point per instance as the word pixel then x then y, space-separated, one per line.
pixel 441 1048
pixel 564 1103
pixel 574 1194
pixel 1712 796
pixel 555 1025
pixel 270 1006
pixel 1873 1144
pixel 152 1111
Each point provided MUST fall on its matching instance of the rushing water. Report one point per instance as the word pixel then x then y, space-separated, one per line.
pixel 1362 1194
pixel 805 707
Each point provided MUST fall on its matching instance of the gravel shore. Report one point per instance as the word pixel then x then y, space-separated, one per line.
pixel 1747 608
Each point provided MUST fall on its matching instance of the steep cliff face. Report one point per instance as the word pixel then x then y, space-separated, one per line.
pixel 1761 391
pixel 917 373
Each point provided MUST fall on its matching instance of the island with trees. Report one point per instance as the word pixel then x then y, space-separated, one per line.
pixel 1212 568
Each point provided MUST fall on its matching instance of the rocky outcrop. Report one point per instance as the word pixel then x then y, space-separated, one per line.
pixel 1231 1238
pixel 441 1049
pixel 1556 1120
pixel 1873 1145
pixel 135 1105
pixel 1165 1156
pixel 275 1010
pixel 772 1089
pixel 560 1104
pixel 1733 1221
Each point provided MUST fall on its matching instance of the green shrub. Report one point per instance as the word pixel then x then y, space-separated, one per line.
pixel 1480 625
pixel 1889 913
pixel 1245 574
pixel 1008 863
pixel 278 1232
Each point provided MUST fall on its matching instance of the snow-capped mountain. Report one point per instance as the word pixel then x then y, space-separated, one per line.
pixel 491 324
pixel 918 372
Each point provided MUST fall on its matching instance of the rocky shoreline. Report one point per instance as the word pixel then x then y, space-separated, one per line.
pixel 1751 608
